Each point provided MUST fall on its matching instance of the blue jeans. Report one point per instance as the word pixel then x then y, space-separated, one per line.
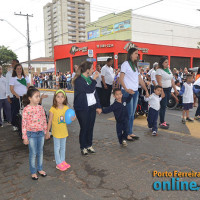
pixel 36 143
pixel 6 108
pixel 131 107
pixel 59 149
pixel 163 103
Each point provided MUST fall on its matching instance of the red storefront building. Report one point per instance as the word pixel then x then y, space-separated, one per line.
pixel 66 56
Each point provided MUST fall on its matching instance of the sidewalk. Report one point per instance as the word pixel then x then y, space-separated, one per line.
pixel 54 90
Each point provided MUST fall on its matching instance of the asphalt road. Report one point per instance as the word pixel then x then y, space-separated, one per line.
pixel 113 173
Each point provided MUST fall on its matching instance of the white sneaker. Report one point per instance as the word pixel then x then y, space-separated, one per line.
pixel 154 133
pixel 124 143
pixel 91 150
pixel 84 152
pixel 15 128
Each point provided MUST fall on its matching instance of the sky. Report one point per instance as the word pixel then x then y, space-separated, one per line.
pixel 180 11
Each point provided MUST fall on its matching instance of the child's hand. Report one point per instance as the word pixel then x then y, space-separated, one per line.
pixel 47 136
pixel 26 142
pixel 73 118
pixel 162 94
pixel 99 110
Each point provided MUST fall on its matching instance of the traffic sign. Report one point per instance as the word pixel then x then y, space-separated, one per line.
pixel 91 59
pixel 90 53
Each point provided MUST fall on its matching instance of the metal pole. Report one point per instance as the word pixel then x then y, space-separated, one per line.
pixel 29 47
pixel 28 40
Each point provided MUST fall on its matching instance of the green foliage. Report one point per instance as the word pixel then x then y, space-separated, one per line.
pixel 6 55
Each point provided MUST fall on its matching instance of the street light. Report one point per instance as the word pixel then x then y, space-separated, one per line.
pixel 14 28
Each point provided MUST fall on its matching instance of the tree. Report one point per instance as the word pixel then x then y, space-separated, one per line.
pixel 6 55
pixel 198 47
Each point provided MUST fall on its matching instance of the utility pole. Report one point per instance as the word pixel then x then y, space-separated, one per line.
pixel 28 39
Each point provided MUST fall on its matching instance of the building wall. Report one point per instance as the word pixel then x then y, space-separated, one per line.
pixel 106 27
pixel 155 31
pixel 64 22
pixel 37 67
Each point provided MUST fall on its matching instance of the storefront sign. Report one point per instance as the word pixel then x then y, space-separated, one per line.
pixel 131 45
pixel 75 49
pixel 105 46
pixel 105 58
pixel 107 30
pixel 93 34
pixel 122 25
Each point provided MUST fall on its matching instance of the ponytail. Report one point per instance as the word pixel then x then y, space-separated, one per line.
pixel 25 100
pixel 81 69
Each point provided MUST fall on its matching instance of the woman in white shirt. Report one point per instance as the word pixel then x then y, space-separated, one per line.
pixel 130 80
pixel 164 78
pixel 19 84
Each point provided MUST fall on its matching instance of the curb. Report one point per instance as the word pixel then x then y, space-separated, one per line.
pixel 54 90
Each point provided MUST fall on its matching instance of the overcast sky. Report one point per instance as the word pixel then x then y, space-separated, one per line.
pixel 181 11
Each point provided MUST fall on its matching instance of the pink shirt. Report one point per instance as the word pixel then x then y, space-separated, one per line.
pixel 33 119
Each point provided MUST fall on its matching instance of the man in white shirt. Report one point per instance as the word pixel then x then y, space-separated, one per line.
pixel 4 99
pixel 107 76
pixel 153 77
pixel 8 77
pixel 98 85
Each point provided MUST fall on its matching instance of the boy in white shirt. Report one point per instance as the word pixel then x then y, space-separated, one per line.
pixel 154 107
pixel 187 91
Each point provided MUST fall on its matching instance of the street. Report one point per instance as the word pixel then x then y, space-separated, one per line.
pixel 113 173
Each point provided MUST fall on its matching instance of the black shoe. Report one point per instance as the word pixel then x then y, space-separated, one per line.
pixel 34 178
pixel 135 137
pixel 43 175
pixel 130 139
pixel 189 119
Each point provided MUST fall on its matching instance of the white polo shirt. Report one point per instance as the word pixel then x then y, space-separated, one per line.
pixel 8 77
pixel 166 78
pixel 98 80
pixel 153 77
pixel 154 101
pixel 3 92
pixel 131 79
pixel 18 87
pixel 108 74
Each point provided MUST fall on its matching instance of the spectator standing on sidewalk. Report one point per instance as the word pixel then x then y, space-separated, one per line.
pixel 107 75
pixel 75 70
pixel 69 78
pixel 4 99
pixel 46 79
pixel 19 84
pixel 50 83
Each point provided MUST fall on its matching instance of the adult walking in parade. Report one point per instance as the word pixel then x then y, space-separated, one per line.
pixel 4 99
pixel 86 103
pixel 107 75
pixel 164 78
pixel 19 84
pixel 8 78
pixel 130 80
